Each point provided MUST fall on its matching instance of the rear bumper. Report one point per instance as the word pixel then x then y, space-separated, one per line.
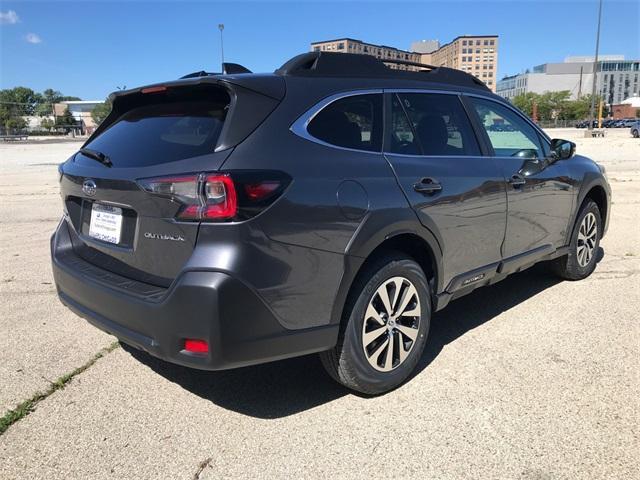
pixel 240 329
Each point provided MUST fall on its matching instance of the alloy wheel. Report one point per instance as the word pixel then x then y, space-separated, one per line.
pixel 391 324
pixel 587 237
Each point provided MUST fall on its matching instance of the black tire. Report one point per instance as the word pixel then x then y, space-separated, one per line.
pixel 347 362
pixel 568 267
pixel 635 133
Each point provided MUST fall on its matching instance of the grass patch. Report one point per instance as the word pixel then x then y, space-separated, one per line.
pixel 28 406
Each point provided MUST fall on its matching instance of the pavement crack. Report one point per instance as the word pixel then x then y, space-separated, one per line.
pixel 29 405
pixel 203 464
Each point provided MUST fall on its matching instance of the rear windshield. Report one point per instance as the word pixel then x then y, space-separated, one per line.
pixel 161 133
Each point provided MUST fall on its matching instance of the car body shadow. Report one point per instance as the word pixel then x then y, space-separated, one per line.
pixel 272 390
pixel 284 388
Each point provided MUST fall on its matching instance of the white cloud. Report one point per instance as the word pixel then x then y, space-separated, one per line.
pixel 33 38
pixel 9 17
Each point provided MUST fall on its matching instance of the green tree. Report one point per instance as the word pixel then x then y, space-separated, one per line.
pixel 525 102
pixel 554 105
pixel 581 108
pixel 20 100
pixel 48 98
pixel 16 123
pixel 66 119
pixel 47 124
pixel 100 111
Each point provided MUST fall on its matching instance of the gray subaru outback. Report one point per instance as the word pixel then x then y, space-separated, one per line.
pixel 333 206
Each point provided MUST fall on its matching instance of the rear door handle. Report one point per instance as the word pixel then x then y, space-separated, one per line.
pixel 517 180
pixel 427 186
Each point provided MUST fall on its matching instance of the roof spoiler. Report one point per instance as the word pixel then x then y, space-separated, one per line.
pixel 228 69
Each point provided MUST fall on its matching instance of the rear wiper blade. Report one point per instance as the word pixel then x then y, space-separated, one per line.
pixel 95 155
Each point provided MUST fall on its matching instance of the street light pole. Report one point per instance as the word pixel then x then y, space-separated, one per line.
pixel 595 70
pixel 221 28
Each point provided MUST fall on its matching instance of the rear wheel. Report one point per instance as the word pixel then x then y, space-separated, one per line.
pixel 635 133
pixel 385 333
pixel 581 260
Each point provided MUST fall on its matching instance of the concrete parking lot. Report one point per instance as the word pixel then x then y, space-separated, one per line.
pixel 532 378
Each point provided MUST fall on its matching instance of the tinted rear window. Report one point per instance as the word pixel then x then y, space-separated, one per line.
pixel 352 122
pixel 161 133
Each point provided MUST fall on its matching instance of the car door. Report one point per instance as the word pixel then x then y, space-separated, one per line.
pixel 457 193
pixel 539 191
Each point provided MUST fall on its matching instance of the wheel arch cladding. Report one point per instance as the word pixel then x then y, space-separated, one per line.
pixel 599 196
pixel 410 244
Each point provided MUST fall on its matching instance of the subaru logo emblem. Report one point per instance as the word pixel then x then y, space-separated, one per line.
pixel 89 187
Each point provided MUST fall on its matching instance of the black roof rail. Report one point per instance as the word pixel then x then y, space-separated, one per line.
pixel 425 66
pixel 357 65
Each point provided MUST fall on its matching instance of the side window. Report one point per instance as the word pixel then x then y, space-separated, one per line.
pixel 402 139
pixel 351 122
pixel 440 124
pixel 509 134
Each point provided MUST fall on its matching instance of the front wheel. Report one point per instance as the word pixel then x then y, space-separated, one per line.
pixel 581 260
pixel 389 310
pixel 635 133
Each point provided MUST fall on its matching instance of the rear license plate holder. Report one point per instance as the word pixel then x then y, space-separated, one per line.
pixel 106 223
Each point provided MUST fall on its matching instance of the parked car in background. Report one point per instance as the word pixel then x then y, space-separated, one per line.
pixel 333 206
pixel 585 124
pixel 623 122
pixel 635 129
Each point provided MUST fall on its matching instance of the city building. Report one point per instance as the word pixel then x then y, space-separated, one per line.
pixel 81 111
pixel 616 78
pixel 628 108
pixel 475 54
pixel 350 45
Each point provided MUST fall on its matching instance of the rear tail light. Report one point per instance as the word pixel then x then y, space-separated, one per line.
pixel 195 345
pixel 219 197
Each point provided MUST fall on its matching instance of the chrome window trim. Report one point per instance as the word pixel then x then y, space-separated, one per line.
pixel 433 156
pixel 421 90
pixel 299 127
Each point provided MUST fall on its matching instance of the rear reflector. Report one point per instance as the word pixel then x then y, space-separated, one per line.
pixel 258 191
pixel 194 345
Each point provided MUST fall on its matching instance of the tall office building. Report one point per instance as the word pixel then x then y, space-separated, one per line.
pixel 474 54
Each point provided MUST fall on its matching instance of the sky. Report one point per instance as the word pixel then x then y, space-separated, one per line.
pixel 90 48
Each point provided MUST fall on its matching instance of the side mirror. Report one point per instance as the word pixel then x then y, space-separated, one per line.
pixel 562 149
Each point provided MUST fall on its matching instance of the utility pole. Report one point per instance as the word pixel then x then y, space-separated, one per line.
pixel 595 70
pixel 580 84
pixel 221 28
